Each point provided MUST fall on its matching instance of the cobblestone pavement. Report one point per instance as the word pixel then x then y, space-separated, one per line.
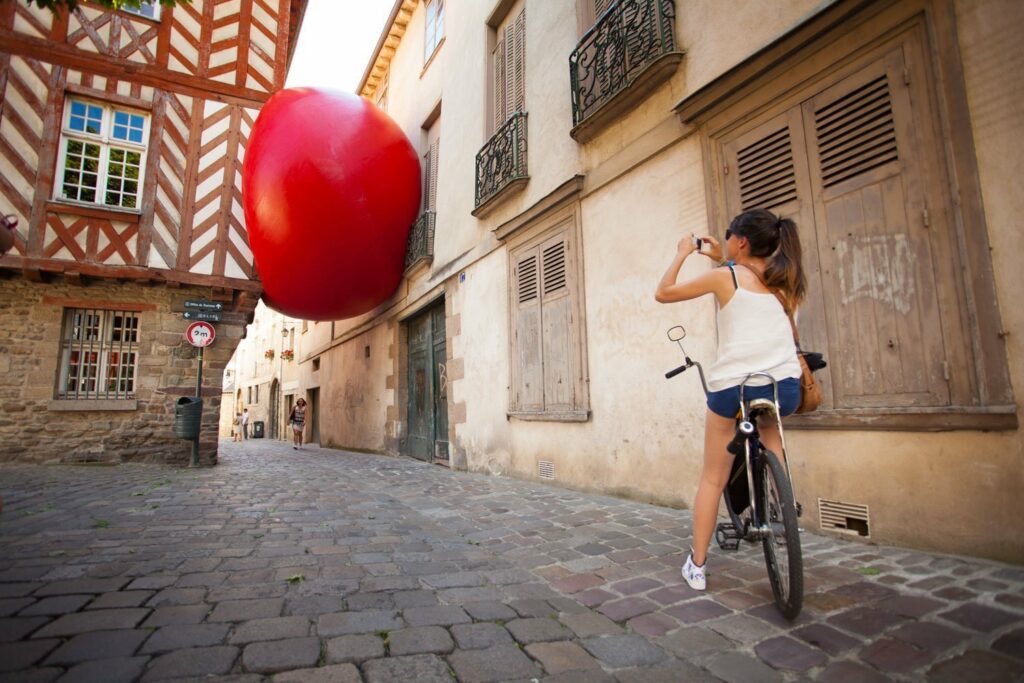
pixel 323 565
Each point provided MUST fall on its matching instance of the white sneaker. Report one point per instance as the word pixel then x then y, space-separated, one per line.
pixel 694 575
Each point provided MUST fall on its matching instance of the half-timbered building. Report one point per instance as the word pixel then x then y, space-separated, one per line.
pixel 122 135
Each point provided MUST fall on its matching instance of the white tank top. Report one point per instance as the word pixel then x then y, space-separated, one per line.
pixel 754 335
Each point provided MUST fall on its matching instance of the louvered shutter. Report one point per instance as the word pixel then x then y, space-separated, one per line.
pixel 434 163
pixel 428 173
pixel 510 71
pixel 528 373
pixel 520 63
pixel 557 330
pixel 498 60
pixel 600 6
pixel 880 278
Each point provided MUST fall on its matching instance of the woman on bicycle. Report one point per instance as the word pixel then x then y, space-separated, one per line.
pixel 754 335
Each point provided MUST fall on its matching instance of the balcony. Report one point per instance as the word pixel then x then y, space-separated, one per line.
pixel 420 248
pixel 501 164
pixel 626 54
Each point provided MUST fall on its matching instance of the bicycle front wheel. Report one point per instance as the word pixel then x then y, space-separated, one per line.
pixel 782 551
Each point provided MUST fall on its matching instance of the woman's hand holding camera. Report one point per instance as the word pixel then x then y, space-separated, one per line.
pixel 704 245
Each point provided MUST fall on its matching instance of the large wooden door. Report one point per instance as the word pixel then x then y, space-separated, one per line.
pixel 428 386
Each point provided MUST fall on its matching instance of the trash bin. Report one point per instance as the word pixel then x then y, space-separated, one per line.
pixel 188 413
pixel 257 429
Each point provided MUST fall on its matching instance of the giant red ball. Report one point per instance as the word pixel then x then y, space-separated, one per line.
pixel 330 187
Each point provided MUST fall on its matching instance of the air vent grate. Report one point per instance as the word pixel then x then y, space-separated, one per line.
pixel 848 518
pixel 545 469
pixel 766 172
pixel 856 133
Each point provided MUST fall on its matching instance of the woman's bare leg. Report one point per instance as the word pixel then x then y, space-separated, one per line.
pixel 718 431
pixel 768 429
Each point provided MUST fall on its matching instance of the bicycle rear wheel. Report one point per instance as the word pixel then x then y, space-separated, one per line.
pixel 782 551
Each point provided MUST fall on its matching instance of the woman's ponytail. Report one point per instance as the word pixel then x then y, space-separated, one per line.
pixel 784 270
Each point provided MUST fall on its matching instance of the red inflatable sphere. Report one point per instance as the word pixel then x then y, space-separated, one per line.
pixel 330 186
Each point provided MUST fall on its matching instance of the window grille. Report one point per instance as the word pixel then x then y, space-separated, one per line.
pixel 99 355
pixel 147 8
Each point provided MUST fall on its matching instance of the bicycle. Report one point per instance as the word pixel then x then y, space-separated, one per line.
pixel 759 494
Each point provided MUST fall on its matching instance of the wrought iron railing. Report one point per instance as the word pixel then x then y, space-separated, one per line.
pixel 626 39
pixel 503 159
pixel 421 240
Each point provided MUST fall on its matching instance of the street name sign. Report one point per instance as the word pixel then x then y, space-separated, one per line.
pixel 201 315
pixel 200 334
pixel 203 305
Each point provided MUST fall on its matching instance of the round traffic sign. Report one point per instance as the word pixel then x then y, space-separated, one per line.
pixel 200 334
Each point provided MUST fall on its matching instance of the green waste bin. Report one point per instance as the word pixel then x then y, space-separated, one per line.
pixel 257 429
pixel 188 413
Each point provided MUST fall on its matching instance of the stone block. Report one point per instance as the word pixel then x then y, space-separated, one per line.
pixel 276 628
pixel 367 621
pixel 419 668
pixel 182 636
pixel 23 654
pixel 558 658
pixel 281 655
pixel 197 662
pixel 122 669
pixel 624 650
pixel 537 630
pixel 440 615
pixel 100 620
pixel 97 645
pixel 498 663
pixel 245 610
pixel 340 673
pixel 356 648
pixel 481 635
pixel 61 604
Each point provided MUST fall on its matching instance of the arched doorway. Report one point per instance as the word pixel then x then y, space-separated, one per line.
pixel 275 410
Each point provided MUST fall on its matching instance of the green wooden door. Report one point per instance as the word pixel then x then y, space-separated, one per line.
pixel 428 402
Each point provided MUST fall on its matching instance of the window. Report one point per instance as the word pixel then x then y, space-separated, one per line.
pixel 98 354
pixel 547 336
pixel 435 28
pixel 508 61
pixel 382 93
pixel 102 154
pixel 248 395
pixel 147 8
pixel 256 394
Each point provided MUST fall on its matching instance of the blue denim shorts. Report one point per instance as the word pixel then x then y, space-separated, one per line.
pixel 727 401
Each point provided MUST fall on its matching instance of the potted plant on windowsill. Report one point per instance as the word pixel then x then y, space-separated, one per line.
pixel 269 354
pixel 288 354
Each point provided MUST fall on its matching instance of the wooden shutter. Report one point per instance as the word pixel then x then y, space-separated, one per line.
pixel 877 256
pixel 498 60
pixel 435 147
pixel 557 332
pixel 520 63
pixel 428 173
pixel 599 7
pixel 528 377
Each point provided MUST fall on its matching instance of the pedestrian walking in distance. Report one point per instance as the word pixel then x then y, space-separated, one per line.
pixel 754 335
pixel 297 419
pixel 245 423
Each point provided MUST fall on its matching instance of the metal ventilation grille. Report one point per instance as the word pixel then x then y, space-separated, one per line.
pixel 765 170
pixel 554 268
pixel 545 469
pixel 849 518
pixel 528 279
pixel 856 132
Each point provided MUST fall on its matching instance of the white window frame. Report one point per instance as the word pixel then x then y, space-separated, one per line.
pixel 90 332
pixel 144 9
pixel 433 32
pixel 106 142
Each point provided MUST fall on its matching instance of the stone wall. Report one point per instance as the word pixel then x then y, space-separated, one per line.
pixel 36 427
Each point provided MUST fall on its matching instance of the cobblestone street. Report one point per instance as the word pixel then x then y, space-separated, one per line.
pixel 324 565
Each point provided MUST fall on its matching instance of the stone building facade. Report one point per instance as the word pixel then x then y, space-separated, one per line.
pixel 122 134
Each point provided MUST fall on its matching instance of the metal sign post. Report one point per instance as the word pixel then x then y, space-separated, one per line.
pixel 201 335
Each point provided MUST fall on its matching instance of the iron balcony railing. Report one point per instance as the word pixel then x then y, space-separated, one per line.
pixel 502 160
pixel 626 39
pixel 420 246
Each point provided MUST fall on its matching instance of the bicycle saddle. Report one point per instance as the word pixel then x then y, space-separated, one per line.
pixel 762 406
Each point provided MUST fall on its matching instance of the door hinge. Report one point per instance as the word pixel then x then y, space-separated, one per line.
pixel 725 169
pixel 926 218
pixel 906 76
pixel 945 370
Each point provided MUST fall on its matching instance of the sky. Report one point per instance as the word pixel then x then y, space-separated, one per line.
pixel 335 42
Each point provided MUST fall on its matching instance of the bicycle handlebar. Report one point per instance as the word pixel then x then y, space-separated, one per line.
pixel 672 373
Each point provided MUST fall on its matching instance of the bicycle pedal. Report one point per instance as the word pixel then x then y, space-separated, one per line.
pixel 727 536
pixel 799 509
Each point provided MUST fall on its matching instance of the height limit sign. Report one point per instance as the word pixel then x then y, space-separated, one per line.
pixel 200 334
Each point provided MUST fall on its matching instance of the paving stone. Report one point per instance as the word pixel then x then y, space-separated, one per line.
pixel 11 606
pixel 574 583
pixel 281 655
pixel 654 624
pixel 676 672
pixel 696 610
pixel 589 624
pixel 827 638
pixel 594 596
pixel 624 650
pixel 891 655
pixel 361 601
pixel 976 666
pixel 16 628
pixel 15 656
pixel 354 648
pixel 81 586
pixel 498 663
pixel 533 608
pixel 479 636
pixel 561 657
pixel 100 620
pixel 184 614
pixel 120 599
pixel 980 617
pixel 407 599
pixel 489 610
pixel 197 661
pixel 419 668
pixel 57 605
pixel 153 582
pixel 339 673
pixel 930 636
pixel 537 630
pixel 245 610
pixel 313 605
pixel 97 645
pixel 634 586
pixel 579 677
pixel 122 670
pixel 786 653
pixel 1010 644
pixel 32 676
pixel 276 628
pixel 420 640
pixel 736 667
pixel 850 672
pixel 910 606
pixel 867 621
pixel 440 615
pixel 177 596
pixel 367 621
pixel 180 636
pixel 627 608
